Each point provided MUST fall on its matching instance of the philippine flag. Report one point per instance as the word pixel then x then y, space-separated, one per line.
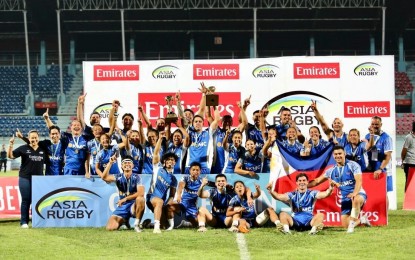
pixel 285 166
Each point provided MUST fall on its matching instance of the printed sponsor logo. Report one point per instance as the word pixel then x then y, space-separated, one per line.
pixel 316 70
pixel 299 104
pixel 215 71
pixel 165 72
pixel 103 110
pixel 154 104
pixel 367 109
pixel 265 71
pixel 367 69
pixel 116 72
pixel 67 203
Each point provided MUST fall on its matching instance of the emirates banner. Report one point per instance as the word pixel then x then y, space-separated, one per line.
pixel 353 88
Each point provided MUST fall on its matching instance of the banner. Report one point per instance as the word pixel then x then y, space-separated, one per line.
pixel 409 200
pixel 72 201
pixel 9 197
pixel 353 88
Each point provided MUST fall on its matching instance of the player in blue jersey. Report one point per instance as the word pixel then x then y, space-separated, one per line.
pixel 242 209
pixel 302 202
pixel 220 196
pixel 134 149
pixel 94 146
pixel 131 195
pixel 336 132
pixel 315 145
pixel 149 149
pixel 163 184
pixel 186 197
pixel 291 143
pixel 233 151
pixel 219 139
pixel 355 149
pixel 200 143
pixel 270 136
pixel 108 151
pixel 251 163
pixel 347 176
pixel 379 151
pixel 76 149
pixel 176 145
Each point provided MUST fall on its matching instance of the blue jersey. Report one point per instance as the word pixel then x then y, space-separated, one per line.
pixel 382 144
pixel 243 202
pixel 219 151
pixel 317 149
pixel 282 131
pixel 55 157
pixel 342 140
pixel 127 186
pixel 191 187
pixel 357 154
pixel 148 158
pixel 252 162
pixel 220 201
pixel 137 153
pixel 200 149
pixel 75 153
pixel 161 182
pixel 302 202
pixel 232 156
pixel 293 148
pixel 255 134
pixel 344 175
pixel 180 151
pixel 93 148
pixel 104 156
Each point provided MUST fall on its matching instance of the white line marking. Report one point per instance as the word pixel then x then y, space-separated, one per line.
pixel 243 248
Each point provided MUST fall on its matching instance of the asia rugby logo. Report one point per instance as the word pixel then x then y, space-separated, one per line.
pixel 70 203
pixel 299 103
pixel 367 69
pixel 265 71
pixel 103 110
pixel 165 72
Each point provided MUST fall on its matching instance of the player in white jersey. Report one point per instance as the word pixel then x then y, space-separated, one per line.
pixel 302 201
pixel 347 176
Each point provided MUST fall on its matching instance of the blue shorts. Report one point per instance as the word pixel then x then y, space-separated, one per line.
pixel 189 209
pixel 220 219
pixel 125 211
pixel 80 171
pixel 347 204
pixel 302 220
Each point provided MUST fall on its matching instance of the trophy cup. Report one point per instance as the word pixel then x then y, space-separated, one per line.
pixel 171 116
pixel 212 99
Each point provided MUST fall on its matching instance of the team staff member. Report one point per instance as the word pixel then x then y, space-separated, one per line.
pixel 408 153
pixel 33 158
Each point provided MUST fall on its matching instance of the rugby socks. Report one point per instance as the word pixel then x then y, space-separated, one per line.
pixel 137 222
pixel 313 229
pixel 286 228
pixel 201 224
pixel 171 222
pixel 235 223
pixel 156 224
pixel 277 222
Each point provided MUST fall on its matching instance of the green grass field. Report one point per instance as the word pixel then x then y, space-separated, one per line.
pixel 394 241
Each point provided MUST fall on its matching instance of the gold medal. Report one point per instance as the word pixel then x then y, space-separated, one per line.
pixel 76 150
pixel 94 153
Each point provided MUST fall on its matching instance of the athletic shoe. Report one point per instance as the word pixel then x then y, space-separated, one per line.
pixel 184 224
pixel 123 227
pixel 319 227
pixel 350 229
pixel 157 231
pixel 138 229
pixel 365 221
pixel 243 229
pixel 233 229
pixel 280 228
pixel 170 228
pixel 24 226
pixel 146 223
pixel 202 229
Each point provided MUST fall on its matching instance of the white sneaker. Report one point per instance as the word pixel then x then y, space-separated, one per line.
pixel 170 228
pixel 184 224
pixel 233 229
pixel 280 228
pixel 365 221
pixel 24 226
pixel 157 231
pixel 123 227
pixel 202 229
pixel 138 229
pixel 350 229
pixel 319 227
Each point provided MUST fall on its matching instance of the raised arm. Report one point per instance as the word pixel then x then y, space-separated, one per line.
pixel 202 105
pixel 113 113
pixel 46 117
pixel 105 174
pixel 257 192
pixel 317 181
pixel 242 118
pixel 10 148
pixel 320 118
pixel 215 122
pixel 326 193
pixel 157 148
pixel 80 110
pixel 278 196
pixel 144 117
pixel 203 193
